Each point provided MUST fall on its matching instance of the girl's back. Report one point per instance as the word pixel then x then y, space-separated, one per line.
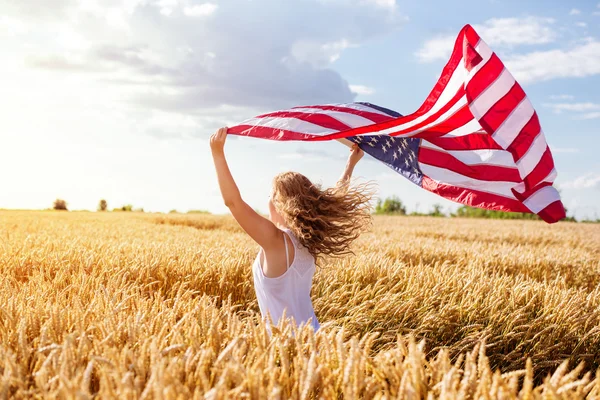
pixel 289 291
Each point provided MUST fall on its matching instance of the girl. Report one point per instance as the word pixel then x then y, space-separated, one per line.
pixel 305 223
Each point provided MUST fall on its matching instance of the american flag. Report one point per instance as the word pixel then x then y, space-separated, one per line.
pixel 476 139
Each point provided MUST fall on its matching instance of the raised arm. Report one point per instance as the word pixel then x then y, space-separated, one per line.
pixel 263 231
pixel 356 154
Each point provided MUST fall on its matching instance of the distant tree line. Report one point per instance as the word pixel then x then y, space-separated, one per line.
pixel 394 206
pixel 60 204
pixel 474 212
pixel 389 206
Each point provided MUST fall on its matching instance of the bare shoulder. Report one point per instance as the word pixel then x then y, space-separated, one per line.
pixel 279 257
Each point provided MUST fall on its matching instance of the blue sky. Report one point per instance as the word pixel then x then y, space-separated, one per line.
pixel 116 99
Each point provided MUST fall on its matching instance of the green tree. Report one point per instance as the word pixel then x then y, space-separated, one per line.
pixel 391 205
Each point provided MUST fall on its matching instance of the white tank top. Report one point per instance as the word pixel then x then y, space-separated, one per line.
pixel 290 291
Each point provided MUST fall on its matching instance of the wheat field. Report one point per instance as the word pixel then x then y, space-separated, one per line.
pixel 133 305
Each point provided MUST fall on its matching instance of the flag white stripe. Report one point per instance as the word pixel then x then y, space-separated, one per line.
pixel 500 158
pixel 514 123
pixel 289 124
pixel 443 175
pixel 352 106
pixel 470 127
pixel 352 120
pixel 541 199
pixel 442 118
pixel 532 157
pixel 551 176
pixel 490 96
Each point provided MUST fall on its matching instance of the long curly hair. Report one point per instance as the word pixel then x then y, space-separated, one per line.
pixel 325 221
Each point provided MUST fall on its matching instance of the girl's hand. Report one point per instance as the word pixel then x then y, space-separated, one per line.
pixel 217 141
pixel 356 154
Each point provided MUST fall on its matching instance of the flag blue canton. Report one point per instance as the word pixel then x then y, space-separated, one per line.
pixel 400 154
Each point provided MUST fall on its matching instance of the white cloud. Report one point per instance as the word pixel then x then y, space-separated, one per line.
pixel 166 7
pixel 586 181
pixel 200 10
pixel 586 110
pixel 334 49
pixel 383 3
pixel 319 54
pixel 574 11
pixel 158 59
pixel 576 107
pixel 577 62
pixel 562 97
pixel 165 124
pixel 12 26
pixel 517 31
pixel 116 13
pixel 438 48
pixel 362 90
pixel 51 9
pixel 591 115
pixel 71 40
pixel 581 24
pixel 507 32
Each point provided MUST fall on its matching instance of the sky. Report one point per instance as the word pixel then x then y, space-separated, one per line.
pixel 116 99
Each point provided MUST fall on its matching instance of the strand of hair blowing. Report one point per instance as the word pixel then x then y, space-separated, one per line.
pixel 325 221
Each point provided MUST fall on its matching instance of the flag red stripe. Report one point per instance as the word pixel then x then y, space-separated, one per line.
pixel 482 172
pixel 471 197
pixel 457 96
pixel 474 141
pixel 266 132
pixel 541 170
pixel 375 117
pixel 470 35
pixel 462 117
pixel 390 123
pixel 320 119
pixel 523 141
pixel 496 115
pixel 484 77
pixel 553 212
